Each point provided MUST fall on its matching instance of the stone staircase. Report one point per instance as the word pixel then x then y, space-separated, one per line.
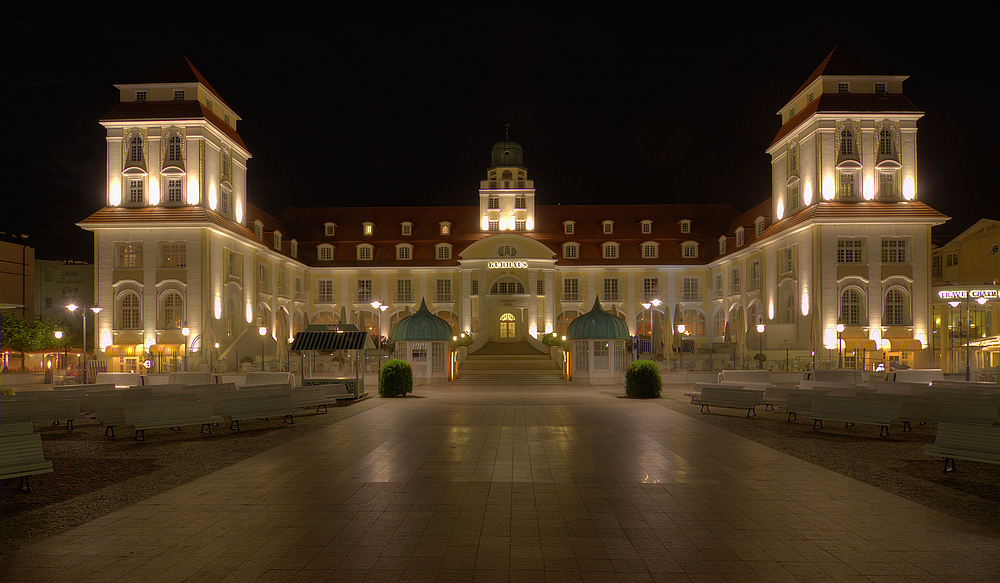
pixel 508 363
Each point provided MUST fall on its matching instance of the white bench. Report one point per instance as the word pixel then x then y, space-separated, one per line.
pixel 977 443
pixel 160 413
pixel 269 378
pixel 934 411
pixel 190 378
pixel 21 454
pixel 43 410
pixel 120 379
pixel 917 375
pixel 258 407
pixel 722 396
pixel 799 400
pixel 851 410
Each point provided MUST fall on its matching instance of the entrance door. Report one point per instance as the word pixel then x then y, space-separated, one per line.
pixel 508 327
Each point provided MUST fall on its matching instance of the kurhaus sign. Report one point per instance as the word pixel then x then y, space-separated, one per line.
pixel 990 294
pixel 507 265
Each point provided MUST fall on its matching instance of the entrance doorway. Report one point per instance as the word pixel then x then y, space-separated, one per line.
pixel 508 327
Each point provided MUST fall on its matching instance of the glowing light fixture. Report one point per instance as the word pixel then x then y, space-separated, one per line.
pixel 909 192
pixel 868 191
pixel 239 211
pixel 503 223
pixel 154 192
pixel 213 199
pixel 485 223
pixel 807 194
pixel 249 313
pixel 530 224
pixel 115 193
pixel 192 196
pixel 218 308
pixel 828 188
pixel 780 210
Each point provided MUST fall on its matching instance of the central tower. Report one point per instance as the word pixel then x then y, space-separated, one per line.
pixel 507 197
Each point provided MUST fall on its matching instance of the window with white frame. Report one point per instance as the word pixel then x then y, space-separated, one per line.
pixel 258 230
pixel 225 163
pixel 887 184
pixel 445 228
pixel 294 248
pixel 754 279
pixel 722 245
pixel 404 252
pixel 571 289
pixel 739 237
pixel 718 285
pixel 443 288
pixel 519 202
pixel 843 87
pixel 263 281
pixel 135 150
pixel 140 96
pixel 224 201
pixel 277 240
pixel 365 252
pixel 367 229
pixel 298 288
pixel 130 255
pixel 174 148
pixel 694 322
pixel 505 288
pixel 173 255
pixel 734 280
pixel 571 251
pixel 364 295
pixel 474 287
pixel 689 250
pixel 539 287
pixel 788 309
pixel 650 250
pixel 610 250
pixel 493 226
pixel 848 184
pixel 611 289
pixel 608 227
pixel 793 158
pixel 493 202
pixel 847 142
pixel 406 228
pixel 443 251
pixel 324 291
pixel 879 87
pixel 173 311
pixel 691 288
pixel 329 229
pixel 850 250
pixel 685 226
pixel 136 191
pixel 793 196
pixel 569 227
pixel 886 142
pixel 759 227
pixel 650 288
pixel 850 307
pixel 646 227
pixel 893 250
pixel 326 253
pixel 786 260
pixel 895 308
pixel 178 95
pixel 235 263
pixel 404 290
pixel 175 190
pixel 128 311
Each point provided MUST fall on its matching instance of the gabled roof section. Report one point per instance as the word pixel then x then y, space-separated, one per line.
pixel 842 62
pixel 177 69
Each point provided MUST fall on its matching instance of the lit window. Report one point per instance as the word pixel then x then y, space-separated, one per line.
pixel 173 311
pixel 445 228
pixel 130 256
pixel 848 188
pixel 886 184
pixel 129 311
pixel 173 255
pixel 367 228
pixel 326 253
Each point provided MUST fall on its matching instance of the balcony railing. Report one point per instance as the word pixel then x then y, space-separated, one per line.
pixel 441 298
pixel 717 293
pixel 691 296
pixel 404 298
pixel 324 298
pixel 753 284
pixel 571 296
pixel 734 288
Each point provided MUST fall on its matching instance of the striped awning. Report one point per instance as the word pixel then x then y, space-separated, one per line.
pixel 165 349
pixel 860 344
pixel 332 341
pixel 898 344
pixel 119 350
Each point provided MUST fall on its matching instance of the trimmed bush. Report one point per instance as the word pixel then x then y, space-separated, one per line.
pixel 396 379
pixel 642 380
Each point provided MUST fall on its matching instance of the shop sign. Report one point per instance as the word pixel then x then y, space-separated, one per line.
pixel 507 265
pixel 952 294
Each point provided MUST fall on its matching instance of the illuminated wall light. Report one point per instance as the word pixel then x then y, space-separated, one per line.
pixel 805 303
pixel 868 192
pixel 218 308
pixel 154 192
pixel 249 313
pixel 105 340
pixel 830 338
pixel 239 211
pixel 829 188
pixel 909 192
pixel 115 193
pixel 533 330
pixel 780 210
pixel 548 328
pixel 529 224
pixel 485 223
pixel 149 343
pixel 876 335
pixel 213 199
pixel 922 339
pixel 503 223
pixel 770 309
pixel 193 196
pixel 511 221
pixel 807 194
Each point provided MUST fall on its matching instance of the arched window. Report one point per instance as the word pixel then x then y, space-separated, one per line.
pixel 174 148
pixel 885 142
pixel 896 313
pixel 564 319
pixel 694 322
pixel 128 311
pixel 788 309
pixel 230 317
pixel 173 311
pixel 135 149
pixel 504 288
pixel 850 307
pixel 846 142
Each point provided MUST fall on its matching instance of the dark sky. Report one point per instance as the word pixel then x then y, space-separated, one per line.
pixel 401 107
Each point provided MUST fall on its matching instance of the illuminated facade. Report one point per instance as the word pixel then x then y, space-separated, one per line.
pixel 842 238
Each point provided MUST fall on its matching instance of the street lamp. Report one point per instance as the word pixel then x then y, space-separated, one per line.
pixel 186 332
pixel 83 314
pixel 379 308
pixel 262 330
pixel 680 330
pixel 840 354
pixel 760 349
pixel 649 319
pixel 58 335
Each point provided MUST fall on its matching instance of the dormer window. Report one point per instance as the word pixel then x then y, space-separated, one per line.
pixel 443 251
pixel 571 251
pixel 685 226
pixel 404 252
pixel 258 231
pixel 610 250
pixel 843 87
pixel 569 227
pixel 365 252
pixel 739 237
pixel 140 96
pixel 879 87
pixel 294 248
pixel 689 250
pixel 367 229
pixel 325 252
pixel 277 240
pixel 178 95
pixel 646 227
pixel 759 226
pixel 650 250
pixel 329 229
pixel 406 228
pixel 608 227
pixel 445 228
pixel 722 245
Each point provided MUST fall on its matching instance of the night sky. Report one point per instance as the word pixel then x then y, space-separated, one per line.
pixel 401 107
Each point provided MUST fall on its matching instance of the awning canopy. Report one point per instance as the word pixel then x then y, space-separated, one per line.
pixel 898 344
pixel 165 349
pixel 120 350
pixel 331 341
pixel 860 344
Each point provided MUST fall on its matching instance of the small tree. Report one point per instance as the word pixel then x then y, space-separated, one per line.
pixel 396 379
pixel 642 380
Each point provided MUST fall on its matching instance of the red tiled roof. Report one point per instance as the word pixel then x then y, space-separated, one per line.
pixel 859 212
pixel 176 69
pixel 843 62
pixel 161 215
pixel 187 109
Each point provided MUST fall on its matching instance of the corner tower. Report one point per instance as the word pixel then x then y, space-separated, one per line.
pixel 507 197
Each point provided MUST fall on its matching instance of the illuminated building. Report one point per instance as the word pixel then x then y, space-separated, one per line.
pixel 843 232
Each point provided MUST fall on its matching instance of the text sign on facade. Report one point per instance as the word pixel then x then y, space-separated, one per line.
pixel 507 265
pixel 990 294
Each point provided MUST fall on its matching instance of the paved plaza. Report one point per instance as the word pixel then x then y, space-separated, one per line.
pixel 521 484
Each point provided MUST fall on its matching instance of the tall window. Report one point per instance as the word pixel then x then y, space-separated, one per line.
pixel 571 289
pixel 611 289
pixel 793 196
pixel 846 142
pixel 130 256
pixel 173 311
pixel 474 288
pixel 893 250
pixel 850 307
pixel 324 290
pixel 135 190
pixel 404 290
pixel 608 226
pixel 739 237
pixel 894 304
pixel 173 255
pixel 493 202
pixel 444 290
pixel 850 250
pixel 540 288
pixel 886 184
pixel 650 288
pixel 174 190
pixel 734 280
pixel 885 142
pixel 364 291
pixel 367 228
pixel 848 188
pixel 224 202
pixel 788 309
pixel 569 227
pixel 129 311
pixel 694 322
pixel 519 202
pixel 646 227
pixel 691 289
pixel 135 150
pixel 685 226
pixel 174 148
pixel 407 229
pixel 786 260
pixel 754 282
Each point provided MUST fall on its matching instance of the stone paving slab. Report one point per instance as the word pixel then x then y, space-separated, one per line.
pixel 518 484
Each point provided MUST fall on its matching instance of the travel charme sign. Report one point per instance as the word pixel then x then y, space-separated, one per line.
pixel 951 294
pixel 507 265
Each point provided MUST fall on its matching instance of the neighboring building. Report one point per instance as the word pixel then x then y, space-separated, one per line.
pixel 61 283
pixel 843 233
pixel 17 275
pixel 965 311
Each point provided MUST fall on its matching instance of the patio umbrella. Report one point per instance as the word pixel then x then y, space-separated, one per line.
pixel 666 335
pixel 727 338
pixel 343 315
pixel 815 333
pixel 741 334
pixel 677 319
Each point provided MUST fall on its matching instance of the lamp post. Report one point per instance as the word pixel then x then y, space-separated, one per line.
pixel 680 330
pixel 186 332
pixel 840 354
pixel 760 342
pixel 211 357
pixel 262 330
pixel 58 335
pixel 649 319
pixel 379 308
pixel 83 314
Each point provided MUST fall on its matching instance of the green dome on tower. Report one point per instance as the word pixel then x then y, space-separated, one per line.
pixel 422 327
pixel 597 324
pixel 507 153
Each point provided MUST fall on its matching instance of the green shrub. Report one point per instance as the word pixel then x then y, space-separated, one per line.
pixel 396 379
pixel 642 380
pixel 248 359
